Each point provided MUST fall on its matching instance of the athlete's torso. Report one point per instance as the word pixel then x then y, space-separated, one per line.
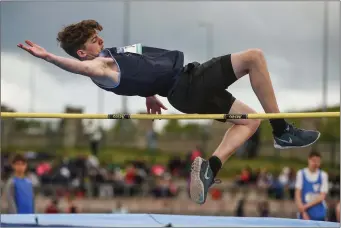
pixel 153 72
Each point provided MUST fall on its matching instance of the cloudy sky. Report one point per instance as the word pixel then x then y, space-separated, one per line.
pixel 290 34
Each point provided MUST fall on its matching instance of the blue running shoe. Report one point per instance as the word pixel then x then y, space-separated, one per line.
pixel 201 180
pixel 296 138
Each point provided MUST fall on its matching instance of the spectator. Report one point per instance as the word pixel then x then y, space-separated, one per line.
pixel 72 208
pixel 264 179
pixel 283 178
pixel 164 187
pixel 130 176
pixel 19 189
pixel 216 194
pixel 175 166
pixel 43 168
pixel 255 176
pixel 118 176
pixel 334 185
pixel 263 209
pixel 91 162
pixel 244 177
pixel 333 213
pixel 158 170
pixel 52 208
pixel 276 189
pixel 311 190
pixel 287 180
pixel 196 153
pixel 240 208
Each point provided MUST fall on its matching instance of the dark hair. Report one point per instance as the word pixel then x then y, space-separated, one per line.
pixel 19 158
pixel 74 36
pixel 314 154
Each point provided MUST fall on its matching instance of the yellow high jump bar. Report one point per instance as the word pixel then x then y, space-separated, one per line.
pixel 171 116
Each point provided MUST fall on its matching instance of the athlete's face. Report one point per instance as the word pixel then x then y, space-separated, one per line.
pixel 93 46
pixel 314 163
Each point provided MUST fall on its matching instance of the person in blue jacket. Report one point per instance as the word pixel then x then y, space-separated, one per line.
pixel 192 88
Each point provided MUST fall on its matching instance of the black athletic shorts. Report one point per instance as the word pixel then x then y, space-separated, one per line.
pixel 201 88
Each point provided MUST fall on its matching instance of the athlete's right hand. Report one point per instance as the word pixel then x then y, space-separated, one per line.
pixel 34 49
pixel 154 105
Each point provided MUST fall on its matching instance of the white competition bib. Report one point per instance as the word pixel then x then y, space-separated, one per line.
pixel 310 196
pixel 134 48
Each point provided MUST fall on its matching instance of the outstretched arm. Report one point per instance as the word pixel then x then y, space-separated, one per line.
pixel 91 68
pixel 99 67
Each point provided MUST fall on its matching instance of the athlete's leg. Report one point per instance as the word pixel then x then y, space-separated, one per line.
pixel 253 62
pixel 238 134
pixel 204 171
pixel 203 90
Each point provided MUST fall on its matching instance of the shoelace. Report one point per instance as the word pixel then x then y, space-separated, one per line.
pixel 293 129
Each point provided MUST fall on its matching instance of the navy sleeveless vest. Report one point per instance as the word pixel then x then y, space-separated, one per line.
pixel 153 72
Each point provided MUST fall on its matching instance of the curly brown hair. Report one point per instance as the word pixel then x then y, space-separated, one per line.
pixel 74 36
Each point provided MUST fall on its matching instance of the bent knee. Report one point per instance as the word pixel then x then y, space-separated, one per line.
pixel 254 124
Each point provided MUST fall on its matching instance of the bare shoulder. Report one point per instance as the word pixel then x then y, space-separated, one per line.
pixel 105 59
pixel 108 68
pixel 100 61
pixel 106 62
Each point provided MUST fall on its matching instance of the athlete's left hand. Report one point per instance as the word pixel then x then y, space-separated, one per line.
pixel 154 105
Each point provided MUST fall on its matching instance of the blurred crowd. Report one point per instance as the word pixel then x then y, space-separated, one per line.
pixel 281 186
pixel 84 176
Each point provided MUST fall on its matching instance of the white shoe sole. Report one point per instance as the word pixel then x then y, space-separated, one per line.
pixel 196 185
